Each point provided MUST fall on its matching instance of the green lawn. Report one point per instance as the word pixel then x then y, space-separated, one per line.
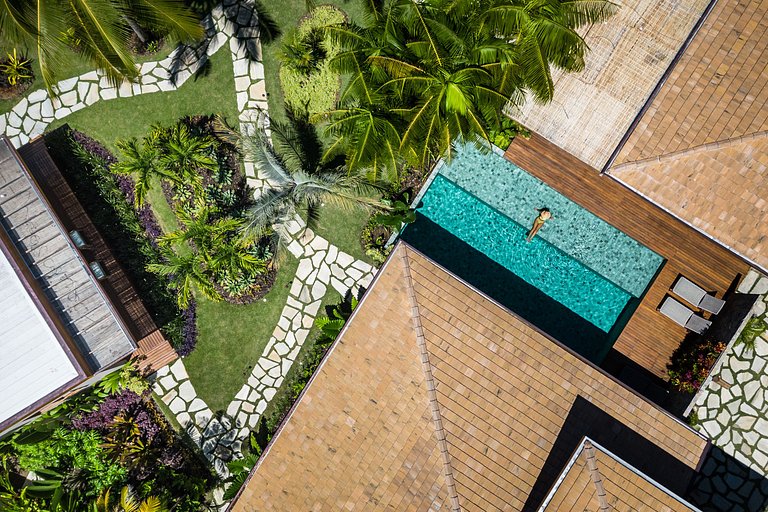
pixel 342 228
pixel 122 118
pixel 232 338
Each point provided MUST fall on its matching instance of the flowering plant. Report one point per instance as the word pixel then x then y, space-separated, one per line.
pixel 691 364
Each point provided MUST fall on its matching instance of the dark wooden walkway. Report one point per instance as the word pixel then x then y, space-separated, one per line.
pixel 71 214
pixel 649 338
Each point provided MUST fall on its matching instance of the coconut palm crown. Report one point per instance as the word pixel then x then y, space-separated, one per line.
pixel 427 73
pixel 98 29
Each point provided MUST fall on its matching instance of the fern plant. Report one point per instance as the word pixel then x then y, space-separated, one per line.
pixel 239 469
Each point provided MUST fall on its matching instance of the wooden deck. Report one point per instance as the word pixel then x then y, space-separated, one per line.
pixel 153 353
pixel 649 338
pixel 72 215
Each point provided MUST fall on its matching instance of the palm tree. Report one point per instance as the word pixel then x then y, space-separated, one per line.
pixel 101 27
pixel 446 68
pixel 128 503
pixel 299 181
pixel 368 134
pixel 220 242
pixel 184 154
pixel 187 271
pixel 140 161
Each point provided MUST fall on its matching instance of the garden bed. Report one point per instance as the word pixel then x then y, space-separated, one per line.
pixel 106 439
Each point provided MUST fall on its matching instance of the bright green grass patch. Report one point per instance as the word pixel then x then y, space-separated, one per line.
pixel 342 228
pixel 162 210
pixel 231 339
pixel 122 118
pixel 316 92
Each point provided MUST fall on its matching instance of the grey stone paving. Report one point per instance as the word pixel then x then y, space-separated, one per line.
pixel 733 408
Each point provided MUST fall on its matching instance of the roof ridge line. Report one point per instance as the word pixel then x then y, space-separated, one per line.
pixel 594 473
pixel 431 393
pixel 725 143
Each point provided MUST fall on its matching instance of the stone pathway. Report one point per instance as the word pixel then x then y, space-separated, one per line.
pixel 732 409
pixel 221 439
pixel 320 264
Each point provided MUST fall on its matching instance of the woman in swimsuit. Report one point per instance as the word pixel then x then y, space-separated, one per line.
pixel 544 215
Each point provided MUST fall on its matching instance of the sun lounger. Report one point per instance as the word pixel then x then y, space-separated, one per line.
pixel 684 316
pixel 696 295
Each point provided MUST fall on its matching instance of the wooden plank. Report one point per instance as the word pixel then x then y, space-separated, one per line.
pixel 154 352
pixel 72 215
pixel 649 338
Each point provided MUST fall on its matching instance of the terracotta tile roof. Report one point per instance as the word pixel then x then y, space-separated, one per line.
pixel 721 189
pixel 595 478
pixel 700 149
pixel 436 398
pixel 717 91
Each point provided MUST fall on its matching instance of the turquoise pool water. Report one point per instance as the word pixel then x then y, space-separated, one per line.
pixel 578 260
pixel 574 230
pixel 539 263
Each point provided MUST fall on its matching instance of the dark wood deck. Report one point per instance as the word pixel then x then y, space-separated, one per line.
pixel 649 338
pixel 117 285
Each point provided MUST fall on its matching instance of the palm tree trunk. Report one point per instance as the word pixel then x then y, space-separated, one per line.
pixel 142 34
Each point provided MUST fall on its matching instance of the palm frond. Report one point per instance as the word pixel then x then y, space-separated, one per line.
pixel 180 23
pixel 96 24
pixel 584 12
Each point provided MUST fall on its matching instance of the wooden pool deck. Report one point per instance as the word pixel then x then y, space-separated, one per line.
pixel 649 337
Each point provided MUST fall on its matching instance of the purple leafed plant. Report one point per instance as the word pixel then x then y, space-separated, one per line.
pixel 150 225
pixel 188 329
pixel 93 147
pixel 125 403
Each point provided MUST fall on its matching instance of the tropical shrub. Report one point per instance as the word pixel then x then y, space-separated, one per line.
pixel 125 439
pixel 221 261
pixel 374 238
pixel 77 455
pixel 240 468
pixel 508 129
pixel 15 70
pixel 309 84
pixel 691 364
pixel 754 328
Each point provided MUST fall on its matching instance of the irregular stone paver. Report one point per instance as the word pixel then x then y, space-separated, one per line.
pixel 732 410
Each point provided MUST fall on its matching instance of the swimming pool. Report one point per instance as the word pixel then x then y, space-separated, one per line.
pixel 578 268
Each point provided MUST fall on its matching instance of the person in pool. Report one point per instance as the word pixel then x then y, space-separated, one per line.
pixel 544 215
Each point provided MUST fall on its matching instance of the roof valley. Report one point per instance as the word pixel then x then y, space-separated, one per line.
pixel 430 382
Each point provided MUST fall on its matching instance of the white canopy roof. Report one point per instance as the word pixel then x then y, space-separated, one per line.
pixel 33 363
